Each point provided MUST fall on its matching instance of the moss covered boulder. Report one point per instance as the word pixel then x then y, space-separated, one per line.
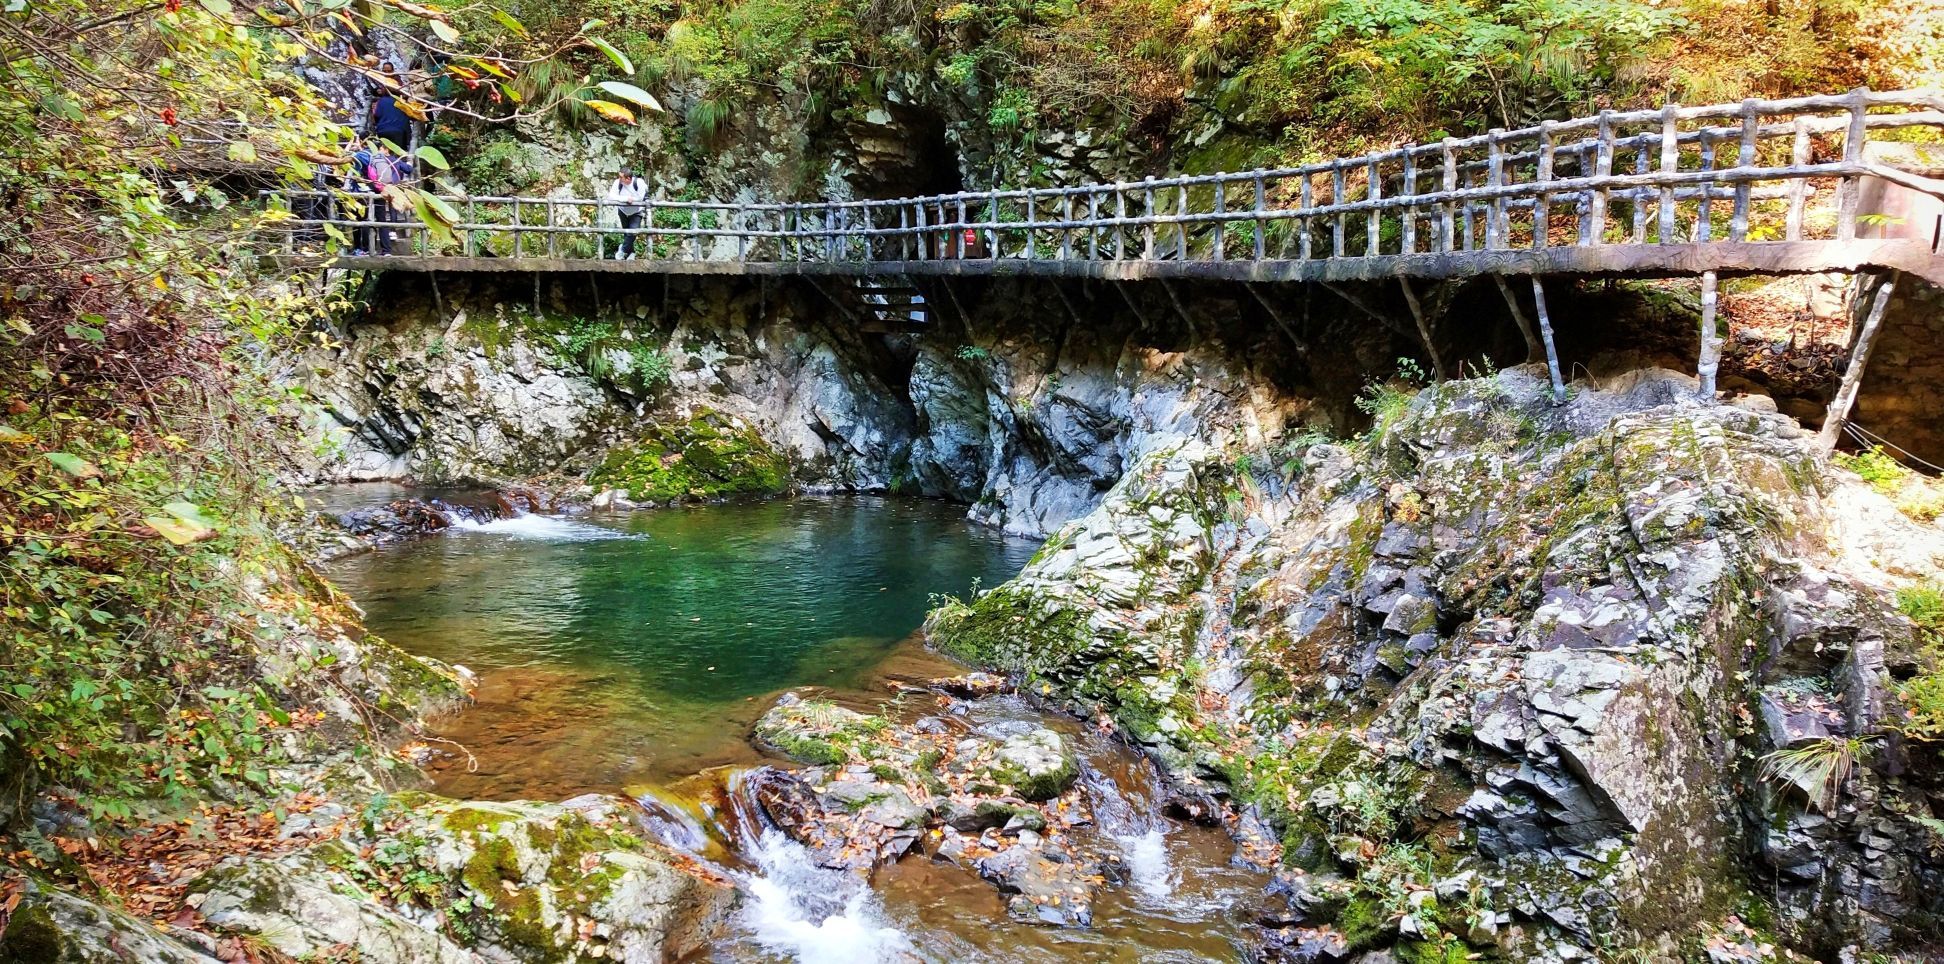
pixel 447 881
pixel 707 456
pixel 49 926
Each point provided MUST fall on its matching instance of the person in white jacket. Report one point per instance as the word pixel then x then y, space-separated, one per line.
pixel 628 194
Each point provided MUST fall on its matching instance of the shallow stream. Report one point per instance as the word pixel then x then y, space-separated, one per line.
pixel 631 653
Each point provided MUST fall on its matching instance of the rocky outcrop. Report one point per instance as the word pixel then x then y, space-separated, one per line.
pixel 51 926
pixel 1027 418
pixel 1499 674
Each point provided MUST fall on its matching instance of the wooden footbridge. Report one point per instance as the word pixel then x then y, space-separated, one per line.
pixel 1807 184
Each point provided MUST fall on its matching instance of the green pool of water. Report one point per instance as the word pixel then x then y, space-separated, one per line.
pixel 623 650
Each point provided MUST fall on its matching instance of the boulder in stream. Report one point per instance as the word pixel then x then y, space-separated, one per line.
pixel 446 882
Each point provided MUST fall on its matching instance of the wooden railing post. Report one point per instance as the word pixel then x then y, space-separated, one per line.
pixel 1639 195
pixel 1494 178
pixel 1798 187
pixel 918 215
pixel 1120 214
pixel 1147 236
pixel 1066 226
pixel 1703 226
pixel 1543 173
pixel 1304 203
pixel 1447 227
pixel 1408 230
pixel 1374 223
pixel 516 225
pixel 1336 201
pixel 1032 206
pixel 695 232
pixel 1221 212
pixel 1851 186
pixel 959 230
pixel 1602 168
pixel 1181 223
pixel 1261 201
pixel 1670 162
pixel 1751 127
pixel 992 245
pixel 1093 225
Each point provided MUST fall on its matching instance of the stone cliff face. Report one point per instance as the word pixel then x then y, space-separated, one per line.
pixel 1498 674
pixel 1027 414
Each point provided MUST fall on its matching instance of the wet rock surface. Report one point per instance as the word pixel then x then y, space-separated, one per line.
pixel 999 799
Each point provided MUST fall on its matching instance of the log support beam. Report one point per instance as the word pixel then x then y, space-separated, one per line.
pixel 1534 350
pixel 1546 332
pixel 1839 407
pixel 1424 324
pixel 1710 363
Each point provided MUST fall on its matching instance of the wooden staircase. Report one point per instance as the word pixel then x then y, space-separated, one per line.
pixel 890 304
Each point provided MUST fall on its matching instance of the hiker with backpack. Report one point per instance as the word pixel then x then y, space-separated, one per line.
pixel 383 170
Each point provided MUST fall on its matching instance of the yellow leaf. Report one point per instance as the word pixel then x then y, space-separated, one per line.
pixel 610 110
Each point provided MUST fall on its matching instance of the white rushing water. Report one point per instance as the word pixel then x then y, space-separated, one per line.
pixel 547 528
pixel 1139 833
pixel 815 915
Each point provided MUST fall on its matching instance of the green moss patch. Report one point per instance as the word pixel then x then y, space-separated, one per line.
pixel 709 456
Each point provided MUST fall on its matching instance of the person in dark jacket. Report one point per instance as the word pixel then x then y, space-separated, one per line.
pixel 388 121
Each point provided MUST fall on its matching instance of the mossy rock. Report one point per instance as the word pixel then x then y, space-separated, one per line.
pixel 1038 764
pixel 711 455
pixel 816 732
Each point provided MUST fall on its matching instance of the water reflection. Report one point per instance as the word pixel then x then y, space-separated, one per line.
pixel 638 648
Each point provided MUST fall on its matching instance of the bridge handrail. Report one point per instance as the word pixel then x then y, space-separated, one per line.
pixel 1514 191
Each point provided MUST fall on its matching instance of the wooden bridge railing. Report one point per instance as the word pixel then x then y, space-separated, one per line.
pixel 1734 172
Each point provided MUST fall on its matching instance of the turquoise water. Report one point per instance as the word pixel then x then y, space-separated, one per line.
pixel 626 650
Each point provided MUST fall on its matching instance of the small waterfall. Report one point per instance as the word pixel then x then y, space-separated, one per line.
pixel 1130 818
pixel 815 915
pixel 811 914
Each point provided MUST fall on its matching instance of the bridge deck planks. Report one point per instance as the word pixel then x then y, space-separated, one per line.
pixel 1636 260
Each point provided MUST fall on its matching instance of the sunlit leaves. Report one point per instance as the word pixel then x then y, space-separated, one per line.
pixel 445 31
pixel 182 523
pixel 621 61
pixel 506 20
pixel 632 94
pixel 73 465
pixel 432 155
pixel 242 152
